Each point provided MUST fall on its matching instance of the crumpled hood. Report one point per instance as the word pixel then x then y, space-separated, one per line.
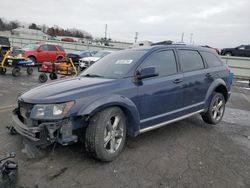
pixel 65 90
pixel 90 59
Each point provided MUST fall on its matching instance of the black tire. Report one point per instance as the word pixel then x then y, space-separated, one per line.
pixel 3 70
pixel 43 78
pixel 98 128
pixel 29 70
pixel 215 113
pixel 16 71
pixel 82 68
pixel 53 76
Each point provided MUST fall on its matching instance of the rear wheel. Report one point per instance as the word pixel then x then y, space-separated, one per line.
pixel 16 71
pixel 216 109
pixel 43 78
pixel 3 70
pixel 29 70
pixel 106 134
pixel 53 76
pixel 228 54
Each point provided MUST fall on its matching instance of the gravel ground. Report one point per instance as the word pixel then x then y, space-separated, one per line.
pixel 188 153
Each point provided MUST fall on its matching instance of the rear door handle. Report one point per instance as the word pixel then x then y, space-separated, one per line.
pixel 177 81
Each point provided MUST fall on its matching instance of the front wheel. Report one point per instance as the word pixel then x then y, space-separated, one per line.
pixel 53 76
pixel 43 78
pixel 106 134
pixel 216 109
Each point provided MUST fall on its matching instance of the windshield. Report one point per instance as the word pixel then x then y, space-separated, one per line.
pixel 101 54
pixel 31 47
pixel 115 65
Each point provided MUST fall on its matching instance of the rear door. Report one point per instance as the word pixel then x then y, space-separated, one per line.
pixel 197 79
pixel 160 96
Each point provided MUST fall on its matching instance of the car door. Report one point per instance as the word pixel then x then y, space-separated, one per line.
pixel 197 79
pixel 160 96
pixel 42 53
pixel 52 53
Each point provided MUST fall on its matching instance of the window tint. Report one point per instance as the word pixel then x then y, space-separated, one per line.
pixel 44 48
pixel 163 61
pixel 190 60
pixel 51 48
pixel 211 59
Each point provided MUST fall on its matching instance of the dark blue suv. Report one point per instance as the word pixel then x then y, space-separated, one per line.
pixel 124 94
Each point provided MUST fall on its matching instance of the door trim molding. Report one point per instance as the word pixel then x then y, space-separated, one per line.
pixel 168 122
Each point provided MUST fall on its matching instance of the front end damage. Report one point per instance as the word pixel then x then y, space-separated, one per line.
pixel 42 133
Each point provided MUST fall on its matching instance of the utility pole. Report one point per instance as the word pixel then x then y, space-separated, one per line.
pixel 182 37
pixel 106 28
pixel 136 36
pixel 191 38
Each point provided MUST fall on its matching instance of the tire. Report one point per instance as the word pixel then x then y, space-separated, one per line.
pixel 102 140
pixel 82 68
pixel 228 54
pixel 43 78
pixel 53 76
pixel 29 70
pixel 16 71
pixel 3 70
pixel 216 109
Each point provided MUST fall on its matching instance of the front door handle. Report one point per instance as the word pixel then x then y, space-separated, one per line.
pixel 177 81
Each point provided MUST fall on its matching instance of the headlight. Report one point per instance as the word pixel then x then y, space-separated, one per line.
pixel 51 111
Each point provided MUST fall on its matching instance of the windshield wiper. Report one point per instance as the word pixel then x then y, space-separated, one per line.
pixel 92 75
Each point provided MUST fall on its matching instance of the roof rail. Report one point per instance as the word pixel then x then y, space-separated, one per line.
pixel 166 42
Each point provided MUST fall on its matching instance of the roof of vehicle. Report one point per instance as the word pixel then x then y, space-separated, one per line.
pixel 156 47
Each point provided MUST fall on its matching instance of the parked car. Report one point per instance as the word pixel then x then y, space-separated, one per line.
pixel 78 55
pixel 39 53
pixel 68 40
pixel 126 93
pixel 87 61
pixel 242 50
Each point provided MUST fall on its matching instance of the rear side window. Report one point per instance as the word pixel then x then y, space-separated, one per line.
pixel 163 61
pixel 211 59
pixel 190 60
pixel 51 48
pixel 60 48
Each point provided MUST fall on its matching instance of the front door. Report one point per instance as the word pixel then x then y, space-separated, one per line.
pixel 160 96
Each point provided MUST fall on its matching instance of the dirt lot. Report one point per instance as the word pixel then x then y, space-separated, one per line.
pixel 189 153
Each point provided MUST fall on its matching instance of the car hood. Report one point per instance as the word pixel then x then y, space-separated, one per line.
pixel 90 58
pixel 66 90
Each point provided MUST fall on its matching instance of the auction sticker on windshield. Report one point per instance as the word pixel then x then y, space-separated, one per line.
pixel 124 62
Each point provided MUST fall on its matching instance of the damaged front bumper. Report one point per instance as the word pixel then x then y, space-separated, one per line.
pixel 46 132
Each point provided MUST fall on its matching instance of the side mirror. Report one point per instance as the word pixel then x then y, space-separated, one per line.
pixel 146 72
pixel 38 50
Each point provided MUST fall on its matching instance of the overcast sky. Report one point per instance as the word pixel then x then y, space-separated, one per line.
pixel 219 23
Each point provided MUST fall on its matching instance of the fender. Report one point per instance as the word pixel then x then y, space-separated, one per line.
pixel 212 88
pixel 124 103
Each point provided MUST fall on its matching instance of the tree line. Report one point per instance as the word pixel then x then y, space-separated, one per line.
pixel 52 31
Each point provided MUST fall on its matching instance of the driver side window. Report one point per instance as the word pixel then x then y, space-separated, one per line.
pixel 163 61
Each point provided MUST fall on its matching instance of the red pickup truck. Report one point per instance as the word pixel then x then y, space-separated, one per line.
pixel 39 53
